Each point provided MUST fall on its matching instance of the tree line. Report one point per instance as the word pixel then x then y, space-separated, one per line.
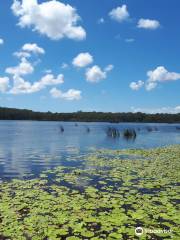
pixel 24 114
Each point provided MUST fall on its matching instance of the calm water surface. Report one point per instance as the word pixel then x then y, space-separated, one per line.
pixel 28 147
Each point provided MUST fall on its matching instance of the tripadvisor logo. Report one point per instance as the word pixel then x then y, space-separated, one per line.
pixel 139 231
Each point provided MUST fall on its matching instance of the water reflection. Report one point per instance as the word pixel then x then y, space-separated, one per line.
pixel 31 147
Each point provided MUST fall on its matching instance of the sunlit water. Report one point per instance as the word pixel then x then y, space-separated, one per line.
pixel 28 147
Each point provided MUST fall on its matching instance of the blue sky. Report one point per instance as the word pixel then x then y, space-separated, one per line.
pixel 90 55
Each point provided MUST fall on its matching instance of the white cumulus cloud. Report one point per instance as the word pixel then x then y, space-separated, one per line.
pixel 24 68
pixel 16 83
pixel 24 87
pixel 156 76
pixel 52 18
pixel 22 54
pixel 161 74
pixel 1 41
pixel 33 48
pixel 148 24
pixel 119 14
pixel 96 74
pixel 109 68
pixel 4 84
pixel 150 85
pixel 28 49
pixel 49 79
pixel 71 94
pixel 136 85
pixel 82 60
pixel 172 110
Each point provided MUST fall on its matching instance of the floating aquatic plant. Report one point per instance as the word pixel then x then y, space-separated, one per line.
pixel 107 197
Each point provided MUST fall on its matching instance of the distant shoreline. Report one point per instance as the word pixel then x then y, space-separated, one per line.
pixel 69 121
pixel 128 117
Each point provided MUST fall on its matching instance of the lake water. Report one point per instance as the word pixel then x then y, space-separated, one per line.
pixel 29 147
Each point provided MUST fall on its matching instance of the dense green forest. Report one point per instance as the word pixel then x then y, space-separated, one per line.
pixel 24 114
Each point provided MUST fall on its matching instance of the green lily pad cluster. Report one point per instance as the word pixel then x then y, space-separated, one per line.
pixel 106 197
